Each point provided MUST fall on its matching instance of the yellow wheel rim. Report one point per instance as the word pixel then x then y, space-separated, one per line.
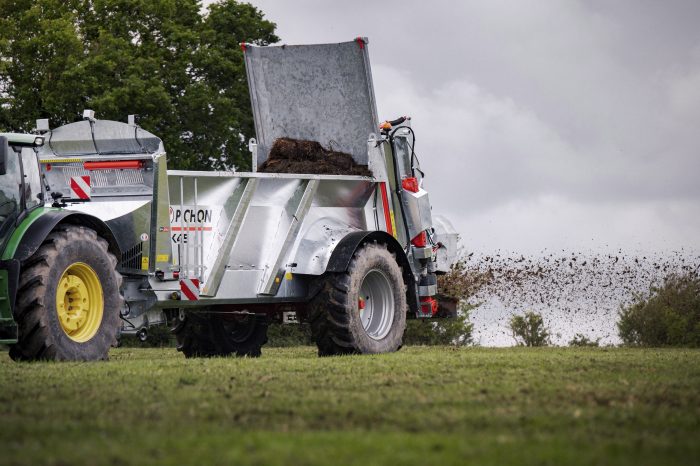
pixel 79 302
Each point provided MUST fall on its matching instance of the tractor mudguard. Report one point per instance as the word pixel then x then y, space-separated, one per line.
pixel 32 239
pixel 343 252
pixel 44 224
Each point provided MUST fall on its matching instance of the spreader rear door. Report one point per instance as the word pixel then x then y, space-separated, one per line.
pixel 318 92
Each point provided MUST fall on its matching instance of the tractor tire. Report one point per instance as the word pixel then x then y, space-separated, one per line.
pixel 69 299
pixel 362 310
pixel 211 335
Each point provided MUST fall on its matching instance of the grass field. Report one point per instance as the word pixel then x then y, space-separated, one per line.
pixel 420 406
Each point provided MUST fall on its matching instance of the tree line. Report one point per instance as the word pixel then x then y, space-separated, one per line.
pixel 179 67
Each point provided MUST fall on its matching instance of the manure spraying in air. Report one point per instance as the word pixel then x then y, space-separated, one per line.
pixel 576 292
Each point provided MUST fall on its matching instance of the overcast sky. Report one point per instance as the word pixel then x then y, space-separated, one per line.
pixel 543 124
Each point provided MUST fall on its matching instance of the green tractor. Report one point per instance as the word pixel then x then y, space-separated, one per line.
pixel 59 288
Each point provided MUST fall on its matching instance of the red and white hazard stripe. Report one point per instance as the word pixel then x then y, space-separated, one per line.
pixel 80 187
pixel 190 289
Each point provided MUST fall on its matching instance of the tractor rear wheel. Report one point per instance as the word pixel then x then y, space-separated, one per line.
pixel 68 300
pixel 209 335
pixel 362 310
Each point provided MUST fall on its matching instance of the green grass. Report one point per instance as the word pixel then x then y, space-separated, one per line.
pixel 420 406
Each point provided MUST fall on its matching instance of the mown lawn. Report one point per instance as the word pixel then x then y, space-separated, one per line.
pixel 424 406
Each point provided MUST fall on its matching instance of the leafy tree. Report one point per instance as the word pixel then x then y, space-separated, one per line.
pixel 529 329
pixel 668 316
pixel 180 70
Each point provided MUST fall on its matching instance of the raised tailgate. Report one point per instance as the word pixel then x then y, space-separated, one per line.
pixel 319 92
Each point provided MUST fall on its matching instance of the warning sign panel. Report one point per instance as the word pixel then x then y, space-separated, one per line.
pixel 80 187
pixel 190 289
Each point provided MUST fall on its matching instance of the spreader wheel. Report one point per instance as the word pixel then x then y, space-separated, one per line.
pixel 208 335
pixel 362 310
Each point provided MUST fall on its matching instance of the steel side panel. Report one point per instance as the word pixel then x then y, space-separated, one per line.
pixel 275 237
pixel 240 200
pixel 273 280
pixel 237 287
pixel 129 220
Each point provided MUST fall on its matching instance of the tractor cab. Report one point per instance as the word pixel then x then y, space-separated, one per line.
pixel 20 180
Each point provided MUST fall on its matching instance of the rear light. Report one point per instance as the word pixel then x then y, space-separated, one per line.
pixel 421 240
pixel 429 305
pixel 410 184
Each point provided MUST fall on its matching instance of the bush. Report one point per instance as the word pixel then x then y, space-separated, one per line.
pixel 582 340
pixel 455 331
pixel 668 316
pixel 529 329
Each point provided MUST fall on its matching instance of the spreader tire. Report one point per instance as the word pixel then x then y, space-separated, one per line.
pixel 69 299
pixel 193 336
pixel 362 310
pixel 209 335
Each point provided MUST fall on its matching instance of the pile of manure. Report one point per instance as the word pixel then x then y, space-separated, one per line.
pixel 309 157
